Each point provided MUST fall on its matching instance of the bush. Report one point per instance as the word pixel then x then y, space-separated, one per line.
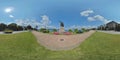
pixel 76 31
pixel 85 30
pixel 44 30
pixel 80 31
pixel 54 30
pixel 70 30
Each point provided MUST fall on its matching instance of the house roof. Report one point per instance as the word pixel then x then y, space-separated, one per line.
pixel 112 22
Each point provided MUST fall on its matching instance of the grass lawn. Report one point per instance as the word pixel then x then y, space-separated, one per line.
pixel 23 46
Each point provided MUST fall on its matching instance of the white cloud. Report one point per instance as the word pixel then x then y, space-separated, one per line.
pixel 79 27
pixel 26 22
pixel 45 21
pixel 98 17
pixel 74 27
pixel 9 23
pixel 11 16
pixel 52 27
pixel 87 27
pixel 91 19
pixel 86 12
pixel 9 9
pixel 20 22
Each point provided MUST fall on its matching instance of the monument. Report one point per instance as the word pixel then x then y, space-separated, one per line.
pixel 61 30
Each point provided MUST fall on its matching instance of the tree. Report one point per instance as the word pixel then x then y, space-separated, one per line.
pixel 3 26
pixel 44 30
pixel 70 30
pixel 83 29
pixel 76 31
pixel 12 26
pixel 19 28
pixel 45 21
pixel 54 30
pixel 29 27
pixel 36 28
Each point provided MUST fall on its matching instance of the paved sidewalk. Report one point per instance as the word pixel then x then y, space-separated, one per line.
pixel 14 32
pixel 110 32
pixel 61 42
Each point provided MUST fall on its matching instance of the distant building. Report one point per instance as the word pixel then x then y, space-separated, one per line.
pixel 110 26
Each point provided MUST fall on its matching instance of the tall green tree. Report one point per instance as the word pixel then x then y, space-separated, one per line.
pixel 13 26
pixel 2 26
pixel 29 27
pixel 19 28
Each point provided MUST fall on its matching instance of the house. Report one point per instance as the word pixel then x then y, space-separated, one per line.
pixel 110 26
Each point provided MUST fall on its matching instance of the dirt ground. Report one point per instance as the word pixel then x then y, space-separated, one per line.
pixel 61 42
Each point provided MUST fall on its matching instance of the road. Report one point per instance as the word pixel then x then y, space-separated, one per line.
pixel 14 32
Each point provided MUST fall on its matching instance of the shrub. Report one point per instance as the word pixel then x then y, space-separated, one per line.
pixel 44 30
pixel 80 31
pixel 70 30
pixel 54 30
pixel 76 31
pixel 85 30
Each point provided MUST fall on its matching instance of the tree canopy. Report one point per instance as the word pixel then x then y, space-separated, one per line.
pixel 14 27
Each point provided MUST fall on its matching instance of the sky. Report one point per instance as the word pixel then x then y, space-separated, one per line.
pixel 73 13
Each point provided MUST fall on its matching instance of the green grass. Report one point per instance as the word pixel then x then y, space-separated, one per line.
pixel 23 46
pixel 102 46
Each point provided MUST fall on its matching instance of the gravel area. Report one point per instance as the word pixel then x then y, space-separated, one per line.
pixel 61 42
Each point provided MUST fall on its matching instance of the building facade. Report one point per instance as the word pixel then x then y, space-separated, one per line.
pixel 110 26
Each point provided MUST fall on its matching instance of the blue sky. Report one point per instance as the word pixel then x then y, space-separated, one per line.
pixel 71 12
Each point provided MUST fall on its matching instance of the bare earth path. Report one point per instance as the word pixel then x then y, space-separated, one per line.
pixel 61 42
